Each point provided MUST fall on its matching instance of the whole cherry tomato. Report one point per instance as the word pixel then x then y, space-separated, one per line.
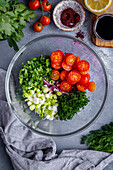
pixel 84 79
pixel 56 56
pixel 38 27
pixel 55 75
pixel 63 75
pixel 81 87
pixel 65 86
pixel 74 77
pixel 83 65
pixel 70 59
pixel 91 86
pixel 34 4
pixel 56 65
pixel 45 20
pixel 46 5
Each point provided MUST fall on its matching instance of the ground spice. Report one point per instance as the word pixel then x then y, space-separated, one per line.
pixel 69 17
pixel 80 34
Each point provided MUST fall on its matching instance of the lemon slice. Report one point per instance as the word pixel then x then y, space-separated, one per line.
pixel 97 5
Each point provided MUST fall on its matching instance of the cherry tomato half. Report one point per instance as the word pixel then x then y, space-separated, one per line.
pixel 74 76
pixel 38 27
pixel 45 20
pixel 56 65
pixel 84 79
pixel 81 87
pixel 55 74
pixel 34 4
pixel 70 59
pixel 65 86
pixel 63 75
pixel 46 5
pixel 91 86
pixel 83 65
pixel 75 64
pixel 56 56
pixel 65 66
pixel 84 72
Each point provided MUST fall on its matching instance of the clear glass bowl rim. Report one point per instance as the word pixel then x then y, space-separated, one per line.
pixel 8 73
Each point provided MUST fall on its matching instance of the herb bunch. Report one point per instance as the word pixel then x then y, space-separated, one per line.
pixel 71 104
pixel 100 140
pixel 13 17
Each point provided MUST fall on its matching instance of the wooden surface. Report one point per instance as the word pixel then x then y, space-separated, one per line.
pixel 94 39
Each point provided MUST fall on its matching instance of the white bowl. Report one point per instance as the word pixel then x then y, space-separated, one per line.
pixel 64 5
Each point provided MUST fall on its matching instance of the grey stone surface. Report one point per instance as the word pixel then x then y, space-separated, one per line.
pixel 106 54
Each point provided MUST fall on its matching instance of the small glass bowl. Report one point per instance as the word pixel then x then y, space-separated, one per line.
pixel 95 26
pixel 45 45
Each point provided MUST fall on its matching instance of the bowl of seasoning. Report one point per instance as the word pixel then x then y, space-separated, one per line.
pixel 103 27
pixel 68 15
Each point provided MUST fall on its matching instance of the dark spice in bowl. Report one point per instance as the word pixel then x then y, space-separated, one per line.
pixel 69 17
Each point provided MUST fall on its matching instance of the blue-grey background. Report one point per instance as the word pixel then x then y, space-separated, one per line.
pixel 106 54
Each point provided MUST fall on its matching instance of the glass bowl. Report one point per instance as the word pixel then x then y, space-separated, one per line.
pixel 45 45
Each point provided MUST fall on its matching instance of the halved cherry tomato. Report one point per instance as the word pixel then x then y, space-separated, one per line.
pixel 74 76
pixel 64 74
pixel 84 79
pixel 65 86
pixel 83 65
pixel 84 72
pixel 70 59
pixel 38 27
pixel 34 4
pixel 75 64
pixel 81 87
pixel 57 56
pixel 91 86
pixel 56 65
pixel 55 75
pixel 45 20
pixel 66 54
pixel 46 5
pixel 65 66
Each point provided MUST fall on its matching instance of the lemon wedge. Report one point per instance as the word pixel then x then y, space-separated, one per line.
pixel 97 6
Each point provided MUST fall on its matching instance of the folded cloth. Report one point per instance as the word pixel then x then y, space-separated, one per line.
pixel 30 151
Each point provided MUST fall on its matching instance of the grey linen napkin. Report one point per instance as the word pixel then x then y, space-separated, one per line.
pixel 29 151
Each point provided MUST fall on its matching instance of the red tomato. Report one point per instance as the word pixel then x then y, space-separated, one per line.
pixel 65 66
pixel 38 27
pixel 45 20
pixel 84 79
pixel 46 5
pixel 56 65
pixel 83 65
pixel 91 86
pixel 84 72
pixel 81 87
pixel 74 76
pixel 66 54
pixel 70 59
pixel 56 56
pixel 34 4
pixel 55 75
pixel 64 74
pixel 75 64
pixel 65 86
